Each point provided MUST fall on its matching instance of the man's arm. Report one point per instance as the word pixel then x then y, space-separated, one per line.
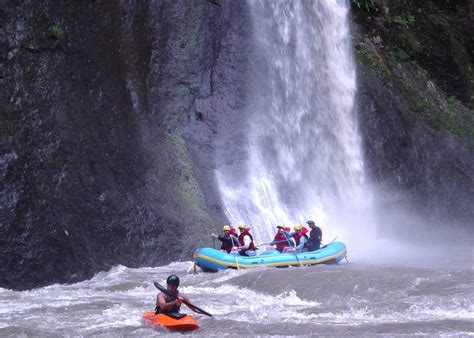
pixel 302 242
pixel 161 302
pixel 224 239
pixel 314 238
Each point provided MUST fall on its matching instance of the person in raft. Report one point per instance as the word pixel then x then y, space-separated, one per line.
pixel 289 237
pixel 315 237
pixel 164 303
pixel 246 246
pixel 281 239
pixel 229 239
pixel 300 237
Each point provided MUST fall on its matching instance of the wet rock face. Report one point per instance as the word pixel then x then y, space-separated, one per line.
pixel 415 107
pixel 415 168
pixel 113 115
pixel 96 99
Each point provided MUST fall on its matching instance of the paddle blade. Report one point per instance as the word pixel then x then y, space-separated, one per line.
pixel 163 289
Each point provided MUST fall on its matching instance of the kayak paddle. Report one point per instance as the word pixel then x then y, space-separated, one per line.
pixel 191 306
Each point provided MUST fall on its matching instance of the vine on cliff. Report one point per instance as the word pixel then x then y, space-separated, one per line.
pixel 368 5
pixel 55 31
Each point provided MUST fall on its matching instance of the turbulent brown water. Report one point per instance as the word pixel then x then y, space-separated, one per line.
pixel 348 299
pixel 304 161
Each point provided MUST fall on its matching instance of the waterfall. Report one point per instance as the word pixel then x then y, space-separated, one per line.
pixel 304 158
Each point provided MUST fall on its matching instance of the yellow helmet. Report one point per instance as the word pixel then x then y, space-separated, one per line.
pixel 226 228
pixel 297 227
pixel 242 226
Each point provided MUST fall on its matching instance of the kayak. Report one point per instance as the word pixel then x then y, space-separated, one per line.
pixel 185 323
pixel 210 259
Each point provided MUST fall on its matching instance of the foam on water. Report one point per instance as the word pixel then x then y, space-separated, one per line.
pixel 113 302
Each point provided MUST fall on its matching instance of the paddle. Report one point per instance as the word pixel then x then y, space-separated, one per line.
pixel 192 267
pixel 324 246
pixel 233 240
pixel 191 306
pixel 270 243
pixel 294 252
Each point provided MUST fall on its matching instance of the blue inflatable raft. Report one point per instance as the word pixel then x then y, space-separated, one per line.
pixel 213 260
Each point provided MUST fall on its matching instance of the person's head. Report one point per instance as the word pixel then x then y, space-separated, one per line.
pixel 172 283
pixel 226 229
pixel 304 230
pixel 311 224
pixel 297 228
pixel 280 228
pixel 242 227
pixel 287 229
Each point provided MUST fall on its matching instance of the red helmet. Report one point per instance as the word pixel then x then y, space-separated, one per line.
pixel 304 230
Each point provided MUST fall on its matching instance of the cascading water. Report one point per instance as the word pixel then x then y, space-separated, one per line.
pixel 304 151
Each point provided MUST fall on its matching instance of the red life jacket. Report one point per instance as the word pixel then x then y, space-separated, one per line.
pixel 229 243
pixel 281 240
pixel 244 233
pixel 297 237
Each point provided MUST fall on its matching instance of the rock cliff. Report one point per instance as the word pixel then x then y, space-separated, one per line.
pixel 115 114
pixel 107 118
pixel 416 85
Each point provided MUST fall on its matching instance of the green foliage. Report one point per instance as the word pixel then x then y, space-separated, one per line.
pixel 451 102
pixel 368 5
pixel 55 31
pixel 403 21
pixel 365 56
pixel 434 112
pixel 368 59
pixel 188 186
pixel 399 54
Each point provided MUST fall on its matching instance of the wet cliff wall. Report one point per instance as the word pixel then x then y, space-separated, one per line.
pixel 106 118
pixel 416 86
pixel 114 115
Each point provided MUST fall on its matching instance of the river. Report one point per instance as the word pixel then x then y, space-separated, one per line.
pixel 304 161
pixel 356 298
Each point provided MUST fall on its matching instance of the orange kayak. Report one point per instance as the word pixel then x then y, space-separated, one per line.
pixel 185 324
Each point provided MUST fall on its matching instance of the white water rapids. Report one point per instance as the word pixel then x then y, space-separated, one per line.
pixel 304 162
pixel 342 300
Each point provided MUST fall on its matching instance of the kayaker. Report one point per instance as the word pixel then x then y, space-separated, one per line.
pixel 281 240
pixel 164 303
pixel 229 240
pixel 300 237
pixel 246 246
pixel 315 237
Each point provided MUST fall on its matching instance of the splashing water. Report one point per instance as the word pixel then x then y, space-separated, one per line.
pixel 368 300
pixel 304 149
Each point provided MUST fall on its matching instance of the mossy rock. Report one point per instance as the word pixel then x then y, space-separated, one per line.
pixel 188 186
